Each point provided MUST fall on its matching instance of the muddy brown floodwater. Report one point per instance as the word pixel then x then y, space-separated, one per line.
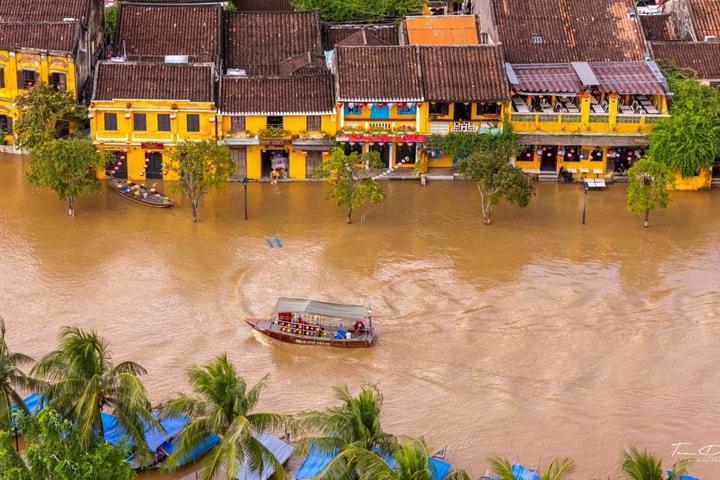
pixel 533 337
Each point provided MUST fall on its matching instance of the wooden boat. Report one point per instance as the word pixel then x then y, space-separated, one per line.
pixel 138 193
pixel 309 322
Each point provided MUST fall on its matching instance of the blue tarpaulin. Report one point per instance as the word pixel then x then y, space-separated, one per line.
pixel 314 462
pixel 522 473
pixel 210 441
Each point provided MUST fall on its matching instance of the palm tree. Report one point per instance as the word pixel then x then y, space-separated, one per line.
pixel 641 465
pixel 10 376
pixel 222 405
pixel 558 469
pixel 83 381
pixel 348 428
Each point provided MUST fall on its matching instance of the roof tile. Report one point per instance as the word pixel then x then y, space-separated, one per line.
pixel 334 33
pixel 41 10
pixel 42 36
pixel 277 95
pixel 441 30
pixel 706 16
pixel 702 57
pixel 656 27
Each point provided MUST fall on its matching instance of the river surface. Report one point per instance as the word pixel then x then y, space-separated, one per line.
pixel 534 337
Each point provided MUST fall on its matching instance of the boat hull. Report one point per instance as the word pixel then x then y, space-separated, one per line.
pixel 271 329
pixel 155 200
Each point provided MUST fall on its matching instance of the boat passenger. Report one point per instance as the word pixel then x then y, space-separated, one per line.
pixel 359 326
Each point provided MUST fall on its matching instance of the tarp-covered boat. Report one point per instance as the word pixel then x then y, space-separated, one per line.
pixel 150 197
pixel 310 322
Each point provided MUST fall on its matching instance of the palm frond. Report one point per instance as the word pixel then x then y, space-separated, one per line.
pixel 501 467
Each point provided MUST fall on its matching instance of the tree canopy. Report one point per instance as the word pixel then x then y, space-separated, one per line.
pixel 351 179
pixel 648 187
pixel 46 114
pixel 558 468
pixel 201 167
pixel 640 465
pixel 54 451
pixel 67 167
pixel 346 10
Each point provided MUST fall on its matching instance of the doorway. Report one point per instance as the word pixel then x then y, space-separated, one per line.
pixel 117 167
pixel 153 166
pixel 384 150
pixel 273 159
pixel 548 158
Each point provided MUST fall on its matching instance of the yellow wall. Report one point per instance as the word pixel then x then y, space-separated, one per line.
pixel 701 182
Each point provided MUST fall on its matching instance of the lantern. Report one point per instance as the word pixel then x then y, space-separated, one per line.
pixel 127 116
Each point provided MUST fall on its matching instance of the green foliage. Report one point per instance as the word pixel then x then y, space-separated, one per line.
pixel 11 376
pixel 85 381
pixel 345 10
pixel 201 167
pixel 46 114
pixel 558 469
pixel 54 451
pixel 111 22
pixel 224 404
pixel 641 465
pixel 462 144
pixel 648 187
pixel 67 167
pixel 689 140
pixel 351 179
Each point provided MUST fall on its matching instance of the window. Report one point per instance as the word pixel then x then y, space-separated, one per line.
pixel 354 110
pixel 163 122
pixel 438 108
pixel 237 123
pixel 27 78
pixel 5 124
pixel 274 122
pixel 57 80
pixel 407 109
pixel 313 123
pixel 2 78
pixel 379 111
pixel 193 122
pixel 139 122
pixel 487 108
pixel 596 155
pixel 571 153
pixel 111 121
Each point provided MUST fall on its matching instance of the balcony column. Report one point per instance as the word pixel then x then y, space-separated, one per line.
pixel 613 110
pixel 585 111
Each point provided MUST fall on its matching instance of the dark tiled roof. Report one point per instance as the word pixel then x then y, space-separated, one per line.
pixel 546 78
pixel 656 27
pixel 147 31
pixel 42 36
pixel 553 31
pixel 376 74
pixel 263 5
pixel 361 37
pixel 154 81
pixel 702 57
pixel 304 64
pixel 627 78
pixel 463 73
pixel 12 11
pixel 258 41
pixel 277 95
pixel 706 15
pixel 334 33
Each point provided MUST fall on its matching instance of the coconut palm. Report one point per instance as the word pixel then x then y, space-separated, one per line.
pixel 223 405
pixel 558 469
pixel 347 428
pixel 84 381
pixel 11 376
pixel 641 465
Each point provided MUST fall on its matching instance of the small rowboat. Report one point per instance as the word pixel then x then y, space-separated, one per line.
pixel 138 193
pixel 309 322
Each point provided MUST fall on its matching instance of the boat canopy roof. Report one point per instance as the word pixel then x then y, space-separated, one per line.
pixel 336 310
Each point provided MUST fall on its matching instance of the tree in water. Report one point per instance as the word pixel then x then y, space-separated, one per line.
pixel 223 405
pixel 641 465
pixel 201 167
pixel 84 381
pixel 648 187
pixel 351 179
pixel 68 167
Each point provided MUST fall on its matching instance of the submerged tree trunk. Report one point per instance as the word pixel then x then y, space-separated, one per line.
pixel 647 215
pixel 486 207
pixel 349 216
pixel 194 210
pixel 71 206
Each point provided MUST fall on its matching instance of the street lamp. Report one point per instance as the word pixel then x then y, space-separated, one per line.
pixel 245 182
pixel 585 202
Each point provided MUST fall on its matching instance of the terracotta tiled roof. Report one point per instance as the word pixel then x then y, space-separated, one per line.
pixel 553 31
pixel 377 74
pixel 463 73
pixel 627 78
pixel 41 10
pixel 703 57
pixel 147 31
pixel 657 27
pixel 277 95
pixel 361 37
pixel 154 81
pixel 42 36
pixel 706 16
pixel 441 30
pixel 263 5
pixel 304 64
pixel 545 78
pixel 258 42
pixel 334 33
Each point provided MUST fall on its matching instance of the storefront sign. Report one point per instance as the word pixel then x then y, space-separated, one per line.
pixel 152 146
pixel 273 143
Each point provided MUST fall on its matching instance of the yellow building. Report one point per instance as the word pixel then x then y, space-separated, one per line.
pixel 141 111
